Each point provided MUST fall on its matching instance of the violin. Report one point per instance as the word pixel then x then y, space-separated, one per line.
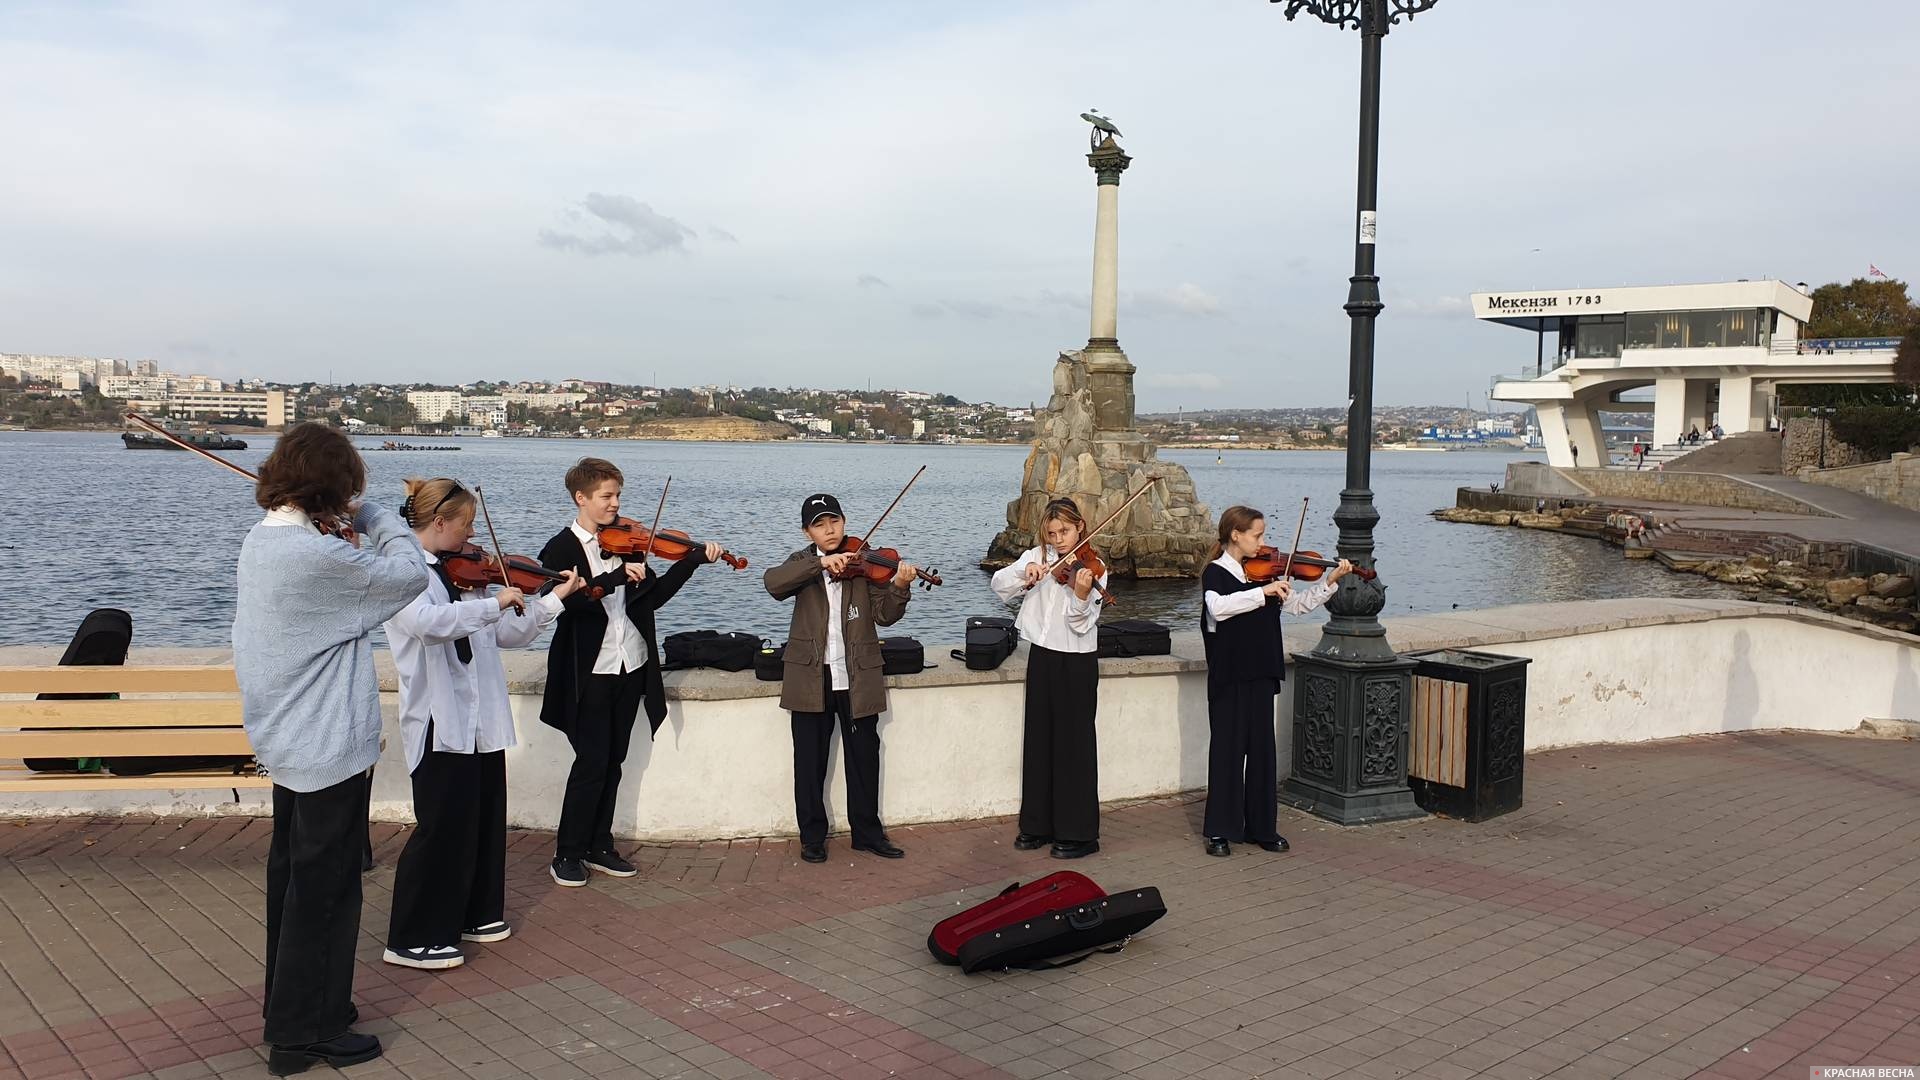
pixel 1083 559
pixel 878 565
pixel 473 568
pixel 627 537
pixel 1266 564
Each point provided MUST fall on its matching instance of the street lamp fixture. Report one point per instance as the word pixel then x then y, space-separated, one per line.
pixel 1352 692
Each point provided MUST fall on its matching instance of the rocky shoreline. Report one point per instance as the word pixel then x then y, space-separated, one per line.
pixel 1818 578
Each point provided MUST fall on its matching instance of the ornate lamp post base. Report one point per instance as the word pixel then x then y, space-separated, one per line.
pixel 1350 740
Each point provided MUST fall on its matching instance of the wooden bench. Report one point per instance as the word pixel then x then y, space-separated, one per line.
pixel 199 716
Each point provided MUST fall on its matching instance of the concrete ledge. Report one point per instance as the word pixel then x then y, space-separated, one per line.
pixel 1623 670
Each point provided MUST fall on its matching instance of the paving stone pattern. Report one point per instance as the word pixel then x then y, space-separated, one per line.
pixel 1735 906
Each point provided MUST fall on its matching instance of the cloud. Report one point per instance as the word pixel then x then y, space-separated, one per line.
pixel 1057 298
pixel 1444 307
pixel 1186 299
pixel 868 281
pixel 971 309
pixel 1185 380
pixel 722 235
pixel 626 226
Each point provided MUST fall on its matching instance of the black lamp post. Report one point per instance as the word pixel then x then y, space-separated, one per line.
pixel 1351 693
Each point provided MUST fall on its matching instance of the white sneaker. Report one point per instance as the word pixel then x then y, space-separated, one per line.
pixel 426 957
pixel 497 930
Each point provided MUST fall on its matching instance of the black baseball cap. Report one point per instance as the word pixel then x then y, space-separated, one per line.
pixel 817 507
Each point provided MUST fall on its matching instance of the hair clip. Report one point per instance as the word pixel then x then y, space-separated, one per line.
pixel 406 510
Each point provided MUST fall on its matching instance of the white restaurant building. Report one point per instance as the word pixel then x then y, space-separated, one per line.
pixel 1713 353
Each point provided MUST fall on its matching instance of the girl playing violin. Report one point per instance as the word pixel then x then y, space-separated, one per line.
pixel 306 604
pixel 1240 627
pixel 455 728
pixel 1059 762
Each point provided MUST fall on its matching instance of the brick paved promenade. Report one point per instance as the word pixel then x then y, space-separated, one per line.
pixel 1737 906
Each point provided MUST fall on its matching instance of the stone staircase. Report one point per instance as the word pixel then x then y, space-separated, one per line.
pixel 1751 453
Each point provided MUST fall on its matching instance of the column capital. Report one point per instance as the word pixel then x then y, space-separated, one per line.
pixel 1108 162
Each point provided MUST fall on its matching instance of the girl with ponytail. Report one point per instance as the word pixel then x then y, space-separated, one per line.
pixel 1240 626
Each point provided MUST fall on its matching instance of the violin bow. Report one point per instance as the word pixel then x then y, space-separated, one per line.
pixel 185 445
pixel 1287 570
pixel 343 531
pixel 867 539
pixel 499 557
pixel 648 554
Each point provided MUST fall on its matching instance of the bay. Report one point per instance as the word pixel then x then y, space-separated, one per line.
pixel 86 523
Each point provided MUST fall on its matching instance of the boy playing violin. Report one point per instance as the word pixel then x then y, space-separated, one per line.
pixel 601 666
pixel 833 669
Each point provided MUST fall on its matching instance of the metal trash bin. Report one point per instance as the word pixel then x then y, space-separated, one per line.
pixel 1466 748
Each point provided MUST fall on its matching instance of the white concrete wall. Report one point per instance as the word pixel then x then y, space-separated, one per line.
pixel 1603 671
pixel 1743 407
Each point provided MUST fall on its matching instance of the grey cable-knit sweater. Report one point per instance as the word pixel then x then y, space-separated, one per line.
pixel 306 604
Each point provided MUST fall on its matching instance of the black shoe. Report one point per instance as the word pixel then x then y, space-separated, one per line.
pixel 610 863
pixel 1030 842
pixel 1276 845
pixel 884 848
pixel 815 853
pixel 1218 846
pixel 353 1014
pixel 1075 849
pixel 569 872
pixel 344 1049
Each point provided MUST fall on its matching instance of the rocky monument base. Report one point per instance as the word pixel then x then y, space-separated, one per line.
pixel 1166 533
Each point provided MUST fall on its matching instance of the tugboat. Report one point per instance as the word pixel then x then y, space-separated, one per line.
pixel 205 440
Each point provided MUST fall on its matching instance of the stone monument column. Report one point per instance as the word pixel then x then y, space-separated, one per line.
pixel 1085 443
pixel 1109 372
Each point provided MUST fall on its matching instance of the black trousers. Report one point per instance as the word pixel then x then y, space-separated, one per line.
pixel 452 875
pixel 602 728
pixel 859 750
pixel 1059 759
pixel 313 910
pixel 1242 768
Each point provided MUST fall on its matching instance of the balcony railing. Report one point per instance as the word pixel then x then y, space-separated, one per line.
pixel 1826 346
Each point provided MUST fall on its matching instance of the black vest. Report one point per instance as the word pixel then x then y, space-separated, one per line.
pixel 1247 647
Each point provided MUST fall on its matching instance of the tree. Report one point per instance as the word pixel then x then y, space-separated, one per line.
pixel 1862 308
pixel 1906 359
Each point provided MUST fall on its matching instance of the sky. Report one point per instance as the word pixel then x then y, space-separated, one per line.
pixel 896 194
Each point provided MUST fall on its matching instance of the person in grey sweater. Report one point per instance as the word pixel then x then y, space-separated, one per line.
pixel 309 593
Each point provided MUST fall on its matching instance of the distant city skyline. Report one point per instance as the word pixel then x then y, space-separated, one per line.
pixel 757 194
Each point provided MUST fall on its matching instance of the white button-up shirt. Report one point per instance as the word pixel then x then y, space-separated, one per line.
pixel 1223 606
pixel 836 631
pixel 1051 616
pixel 621 649
pixel 467 703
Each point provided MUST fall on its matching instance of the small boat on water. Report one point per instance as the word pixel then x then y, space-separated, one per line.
pixel 390 445
pixel 205 440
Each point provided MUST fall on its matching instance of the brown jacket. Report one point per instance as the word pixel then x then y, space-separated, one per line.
pixel 805 689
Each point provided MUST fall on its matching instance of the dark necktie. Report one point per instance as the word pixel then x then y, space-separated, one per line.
pixel 460 645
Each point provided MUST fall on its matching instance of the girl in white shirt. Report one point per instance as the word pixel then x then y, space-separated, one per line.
pixel 455 728
pixel 1059 760
pixel 1240 626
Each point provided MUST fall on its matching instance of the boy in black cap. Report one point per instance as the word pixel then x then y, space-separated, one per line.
pixel 833 670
